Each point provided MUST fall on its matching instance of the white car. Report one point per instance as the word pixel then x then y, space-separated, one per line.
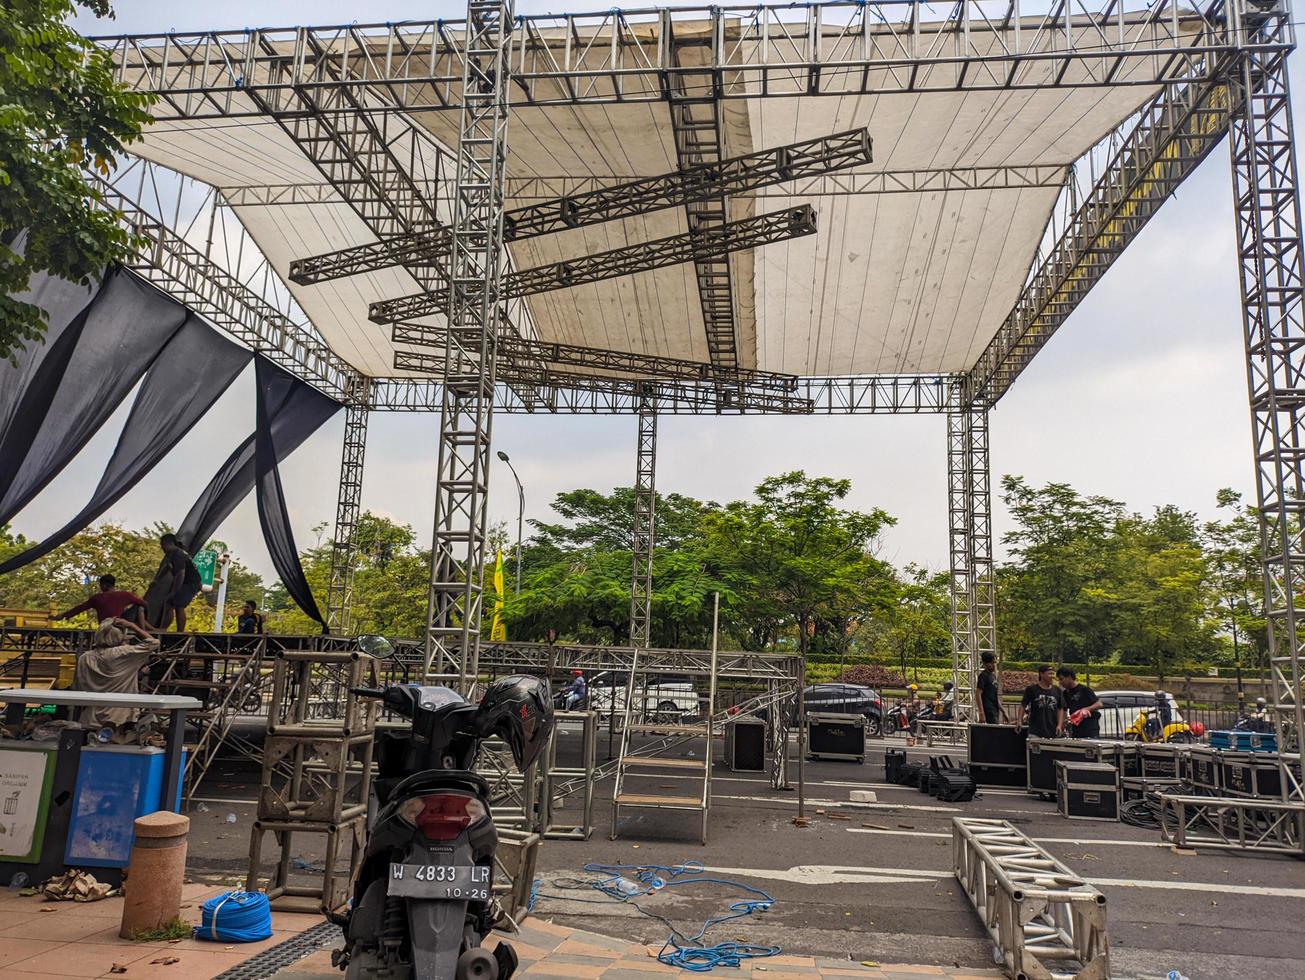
pixel 663 697
pixel 1119 709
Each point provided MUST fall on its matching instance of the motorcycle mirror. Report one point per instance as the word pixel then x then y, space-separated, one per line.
pixel 376 646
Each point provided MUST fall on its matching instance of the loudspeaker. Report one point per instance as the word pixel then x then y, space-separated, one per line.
pixel 1000 745
pixel 745 745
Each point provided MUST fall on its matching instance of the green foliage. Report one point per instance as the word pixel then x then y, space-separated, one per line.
pixel 60 111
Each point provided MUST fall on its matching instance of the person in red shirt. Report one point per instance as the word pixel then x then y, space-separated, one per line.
pixel 111 603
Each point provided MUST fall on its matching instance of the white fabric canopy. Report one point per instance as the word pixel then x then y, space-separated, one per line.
pixel 891 283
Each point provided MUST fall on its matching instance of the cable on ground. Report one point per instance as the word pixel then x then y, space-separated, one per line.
pixel 235 917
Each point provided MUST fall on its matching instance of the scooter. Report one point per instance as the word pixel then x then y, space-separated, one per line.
pixel 1147 728
pixel 423 900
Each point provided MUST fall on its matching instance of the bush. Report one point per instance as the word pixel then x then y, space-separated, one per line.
pixel 1015 681
pixel 873 675
pixel 1122 682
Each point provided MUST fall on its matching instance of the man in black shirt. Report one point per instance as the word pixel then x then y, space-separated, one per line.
pixel 1042 708
pixel 986 695
pixel 1082 703
pixel 178 578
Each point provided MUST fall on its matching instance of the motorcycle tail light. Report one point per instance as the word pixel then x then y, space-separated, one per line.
pixel 442 816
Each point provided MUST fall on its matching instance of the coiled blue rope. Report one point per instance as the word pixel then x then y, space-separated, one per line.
pixel 235 917
pixel 686 952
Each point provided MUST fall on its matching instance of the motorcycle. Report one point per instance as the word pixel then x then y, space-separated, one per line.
pixel 423 903
pixel 1147 728
pixel 901 718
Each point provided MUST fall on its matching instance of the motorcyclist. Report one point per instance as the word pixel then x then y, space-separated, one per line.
pixel 945 704
pixel 1259 718
pixel 577 691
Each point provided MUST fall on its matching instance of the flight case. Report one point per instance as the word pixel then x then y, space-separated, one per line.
pixel 997 755
pixel 1087 790
pixel 836 736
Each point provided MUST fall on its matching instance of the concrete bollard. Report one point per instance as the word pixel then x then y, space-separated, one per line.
pixel 156 873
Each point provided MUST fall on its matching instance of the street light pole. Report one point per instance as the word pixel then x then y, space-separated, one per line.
pixel 521 511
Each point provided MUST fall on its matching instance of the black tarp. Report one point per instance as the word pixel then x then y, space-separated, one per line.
pixel 293 412
pixel 84 375
pixel 191 373
pixel 276 387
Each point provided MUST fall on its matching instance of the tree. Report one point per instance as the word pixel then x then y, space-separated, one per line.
pixel 1233 552
pixel 920 626
pixel 60 111
pixel 796 554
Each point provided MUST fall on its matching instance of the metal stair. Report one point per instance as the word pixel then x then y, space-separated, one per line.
pixel 639 765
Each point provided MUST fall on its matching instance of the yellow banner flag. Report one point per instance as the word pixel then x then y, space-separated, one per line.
pixel 498 629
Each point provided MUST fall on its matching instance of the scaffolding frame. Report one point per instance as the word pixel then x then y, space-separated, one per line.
pixel 645 529
pixel 476 262
pixel 973 589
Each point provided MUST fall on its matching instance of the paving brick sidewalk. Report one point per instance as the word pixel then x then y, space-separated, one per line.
pixel 550 950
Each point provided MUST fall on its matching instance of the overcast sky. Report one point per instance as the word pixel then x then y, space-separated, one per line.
pixel 1141 396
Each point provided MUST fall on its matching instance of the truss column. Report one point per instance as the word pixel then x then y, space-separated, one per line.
pixel 475 270
pixel 959 421
pixel 645 507
pixel 1268 210
pixel 339 596
pixel 982 596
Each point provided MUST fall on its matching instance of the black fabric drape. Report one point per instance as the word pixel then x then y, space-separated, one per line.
pixel 276 387
pixel 62 301
pixel 81 380
pixel 293 412
pixel 193 370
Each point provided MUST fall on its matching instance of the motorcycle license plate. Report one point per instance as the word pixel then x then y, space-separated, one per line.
pixel 469 883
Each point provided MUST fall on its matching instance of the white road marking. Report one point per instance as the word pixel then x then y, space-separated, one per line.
pixel 791 800
pixel 830 874
pixel 1081 841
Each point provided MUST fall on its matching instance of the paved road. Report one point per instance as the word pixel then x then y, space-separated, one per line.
pixel 878 885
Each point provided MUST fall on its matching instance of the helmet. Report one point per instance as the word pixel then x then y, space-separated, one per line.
pixel 519 710
pixel 577 673
pixel 1197 729
pixel 1261 702
pixel 913 687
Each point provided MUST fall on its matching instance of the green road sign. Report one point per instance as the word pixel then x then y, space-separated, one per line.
pixel 206 562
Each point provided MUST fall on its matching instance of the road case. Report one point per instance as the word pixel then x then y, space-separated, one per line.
pixel 997 755
pixel 1044 753
pixel 1199 767
pixel 1087 790
pixel 836 736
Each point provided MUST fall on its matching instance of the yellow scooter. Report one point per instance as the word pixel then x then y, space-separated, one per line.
pixel 1147 728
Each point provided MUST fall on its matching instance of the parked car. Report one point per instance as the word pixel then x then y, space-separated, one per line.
pixel 847 699
pixel 1119 710
pixel 665 697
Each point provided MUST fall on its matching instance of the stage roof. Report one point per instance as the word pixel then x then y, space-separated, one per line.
pixel 892 283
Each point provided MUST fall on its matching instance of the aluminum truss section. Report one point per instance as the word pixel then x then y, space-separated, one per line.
pixel 699 142
pixel 779 226
pixel 645 528
pixel 1233 824
pixel 969 510
pixel 339 595
pixel 820 49
pixel 1268 208
pixel 474 294
pixel 804 161
pixel 1037 911
pixel 1174 133
pixel 511 349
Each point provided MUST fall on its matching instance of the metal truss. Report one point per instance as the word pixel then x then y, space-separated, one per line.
pixel 1174 133
pixel 1267 203
pixel 1233 824
pixel 1040 915
pixel 779 226
pixel 344 550
pixel 696 125
pixel 973 587
pixel 510 349
pixel 645 527
pixel 807 160
pixel 832 49
pixel 474 295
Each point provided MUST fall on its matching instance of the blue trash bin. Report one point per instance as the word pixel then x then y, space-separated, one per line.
pixel 115 785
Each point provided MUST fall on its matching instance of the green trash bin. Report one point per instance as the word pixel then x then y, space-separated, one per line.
pixel 26 776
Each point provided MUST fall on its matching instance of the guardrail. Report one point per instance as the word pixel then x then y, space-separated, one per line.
pixel 1036 909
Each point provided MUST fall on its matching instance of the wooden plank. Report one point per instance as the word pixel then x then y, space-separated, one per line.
pixel 658 762
pixel 678 802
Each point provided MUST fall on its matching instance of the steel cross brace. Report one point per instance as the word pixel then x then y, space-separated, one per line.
pixel 806 160
pixel 764 229
pixel 1266 197
pixel 344 550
